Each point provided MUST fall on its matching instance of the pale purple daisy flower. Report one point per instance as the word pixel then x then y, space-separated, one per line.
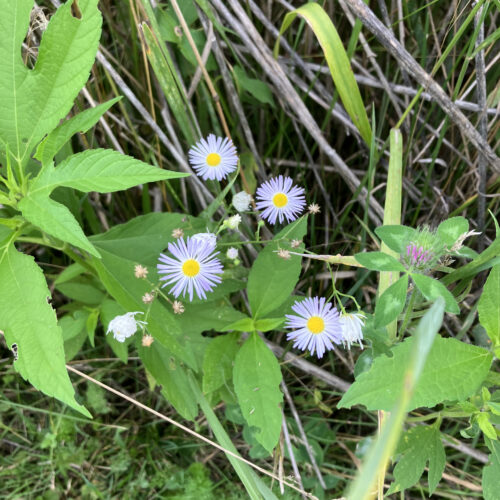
pixel 193 268
pixel 316 326
pixel 280 199
pixel 352 328
pixel 213 157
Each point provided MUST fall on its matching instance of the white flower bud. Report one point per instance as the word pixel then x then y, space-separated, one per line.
pixel 232 253
pixel 241 201
pixel 124 326
pixel 233 222
pixel 208 237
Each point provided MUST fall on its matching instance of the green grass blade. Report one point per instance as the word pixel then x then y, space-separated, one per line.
pixel 337 60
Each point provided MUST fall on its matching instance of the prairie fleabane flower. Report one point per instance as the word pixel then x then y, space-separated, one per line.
pixel 352 325
pixel 194 268
pixel 241 201
pixel 280 199
pixel 316 326
pixel 213 157
pixel 124 326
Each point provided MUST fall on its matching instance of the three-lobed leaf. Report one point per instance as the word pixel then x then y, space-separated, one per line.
pixel 451 229
pixel 29 321
pixel 257 377
pixel 453 371
pixel 395 236
pixel 34 101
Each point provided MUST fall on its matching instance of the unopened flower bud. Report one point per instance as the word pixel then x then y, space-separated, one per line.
pixel 241 201
pixel 232 253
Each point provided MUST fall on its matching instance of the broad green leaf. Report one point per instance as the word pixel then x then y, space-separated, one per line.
pixel 379 261
pixel 451 229
pixel 55 219
pixel 173 378
pixel 453 371
pixel 259 89
pixel 242 325
pixel 218 362
pixel 431 289
pixel 34 101
pixel 82 289
pixel 488 307
pixel 28 320
pixel 268 324
pixel 101 170
pixel 337 60
pixel 483 420
pixel 82 122
pixel 419 446
pixel 143 238
pixel 272 279
pixel 391 302
pixel 257 377
pixel 395 237
pixel 491 473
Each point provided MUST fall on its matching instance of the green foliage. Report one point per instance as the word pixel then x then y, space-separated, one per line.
pixel 255 87
pixel 391 302
pixel 417 447
pixel 491 473
pixel 257 377
pixel 453 371
pixel 81 122
pixel 488 307
pixel 218 362
pixel 272 280
pixel 337 60
pixel 34 101
pixel 395 236
pixel 28 321
pixel 431 289
pixel 379 261
pixel 451 229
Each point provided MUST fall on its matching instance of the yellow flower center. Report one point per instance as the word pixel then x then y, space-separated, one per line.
pixel 191 268
pixel 280 200
pixel 213 159
pixel 315 324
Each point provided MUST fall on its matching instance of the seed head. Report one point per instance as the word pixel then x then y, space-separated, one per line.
pixel 140 271
pixel 313 209
pixel 178 307
pixel 147 340
pixel 178 233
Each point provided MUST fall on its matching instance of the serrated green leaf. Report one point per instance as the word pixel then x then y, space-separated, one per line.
pixel 101 170
pixel 488 307
pixel 431 289
pixel 391 302
pixel 396 236
pixel 272 279
pixel 256 378
pixel 379 261
pixel 82 122
pixel 27 319
pixel 55 219
pixel 218 362
pixel 451 229
pixel 168 373
pixel 453 371
pixel 34 101
pixel 418 446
